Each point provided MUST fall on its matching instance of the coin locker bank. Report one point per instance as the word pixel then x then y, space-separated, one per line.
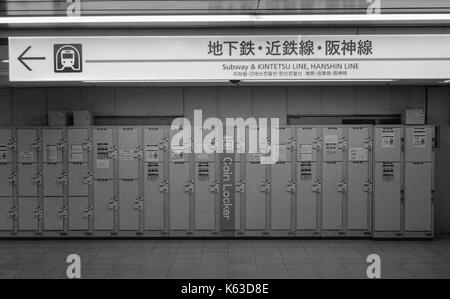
pixel 334 177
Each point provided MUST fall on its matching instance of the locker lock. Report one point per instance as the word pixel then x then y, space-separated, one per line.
pixel 139 204
pixel 63 213
pixel 37 179
pixel 290 188
pixel 36 145
pixel 290 145
pixel 12 179
pixel 87 179
pixel 12 145
pixel 163 144
pixel 317 187
pixel 88 212
pixel 189 187
pixel 342 144
pixel 112 153
pixel 62 145
pixel 113 204
pixel 265 186
pixel 240 186
pixel 368 143
pixel 368 186
pixel 62 179
pixel 87 145
pixel 317 144
pixel 214 186
pixel 138 153
pixel 342 186
pixel 13 213
pixel 164 186
pixel 37 213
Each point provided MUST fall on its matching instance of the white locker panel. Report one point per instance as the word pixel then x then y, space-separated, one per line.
pixel 418 197
pixel 78 219
pixel 419 143
pixel 358 196
pixel 285 145
pixel 6 222
pixel 5 139
pixel 281 197
pixel 332 143
pixel 52 179
pixel 388 144
pixel 53 220
pixel 26 145
pixel 52 140
pixel 104 152
pixel 308 144
pixel 129 206
pixel 27 179
pixel 358 146
pixel 205 196
pixel 129 152
pixel 27 217
pixel 5 175
pixel 78 179
pixel 331 197
pixel 180 188
pixel 77 145
pixel 387 197
pixel 103 205
pixel 154 190
pixel 308 187
pixel 256 187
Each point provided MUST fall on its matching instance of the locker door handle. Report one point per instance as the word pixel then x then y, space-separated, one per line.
pixel 12 179
pixel 138 153
pixel 62 145
pixel 163 144
pixel 87 145
pixel 240 187
pixel 317 144
pixel 317 187
pixel 62 179
pixel 342 144
pixel 164 186
pixel 12 145
pixel 342 187
pixel 189 187
pixel 112 154
pixel 265 187
pixel 37 213
pixel 63 213
pixel 87 179
pixel 36 145
pixel 139 204
pixel 368 143
pixel 290 188
pixel 88 212
pixel 113 204
pixel 368 186
pixel 214 187
pixel 37 179
pixel 13 212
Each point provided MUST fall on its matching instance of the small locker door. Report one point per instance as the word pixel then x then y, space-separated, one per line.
pixel 129 206
pixel 104 152
pixel 104 206
pixel 52 179
pixel 154 144
pixel 5 139
pixel 78 179
pixel 282 190
pixel 5 183
pixel 26 142
pixel 78 219
pixel 387 197
pixel 154 190
pixel 358 196
pixel 285 145
pixel 77 141
pixel 180 189
pixel 332 195
pixel 53 220
pixel 51 142
pixel 27 179
pixel 129 153
pixel 27 213
pixel 308 188
pixel 418 197
pixel 205 196
pixel 6 222
pixel 333 144
pixel 307 144
pixel 419 144
pixel 387 144
pixel 256 188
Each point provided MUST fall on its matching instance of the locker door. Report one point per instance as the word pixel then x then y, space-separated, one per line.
pixel 154 191
pixel 77 216
pixel 332 144
pixel 285 144
pixel 103 153
pixel 255 196
pixel 358 196
pixel 331 197
pixel 5 139
pixel 387 144
pixel 281 203
pixel 357 144
pixel 6 222
pixel 26 138
pixel 52 219
pixel 419 144
pixel 27 218
pixel 128 210
pixel 103 211
pixel 418 197
pixel 51 142
pixel 78 179
pixel 77 140
pixel 180 188
pixel 205 197
pixel 307 188
pixel 387 197
pixel 27 174
pixel 153 144
pixel 52 174
pixel 128 153
pixel 307 144
pixel 5 173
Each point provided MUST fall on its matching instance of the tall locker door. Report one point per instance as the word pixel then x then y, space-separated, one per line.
pixel 387 146
pixel 78 144
pixel 52 179
pixel 333 144
pixel 419 144
pixel 5 141
pixel 332 196
pixel 129 153
pixel 104 205
pixel 27 213
pixel 27 145
pixel 180 189
pixel 256 188
pixel 28 179
pixel 78 179
pixel 129 207
pixel 52 140
pixel 387 197
pixel 281 197
pixel 53 220
pixel 6 222
pixel 418 197
pixel 104 153
pixel 78 218
pixel 5 182
pixel 205 196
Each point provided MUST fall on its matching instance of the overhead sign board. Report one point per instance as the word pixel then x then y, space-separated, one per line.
pixel 223 58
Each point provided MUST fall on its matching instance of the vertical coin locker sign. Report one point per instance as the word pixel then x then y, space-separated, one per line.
pixel 227 194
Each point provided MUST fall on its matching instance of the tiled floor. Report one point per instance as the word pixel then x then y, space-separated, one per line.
pixel 226 259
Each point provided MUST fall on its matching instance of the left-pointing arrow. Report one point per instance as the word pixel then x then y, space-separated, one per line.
pixel 22 59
